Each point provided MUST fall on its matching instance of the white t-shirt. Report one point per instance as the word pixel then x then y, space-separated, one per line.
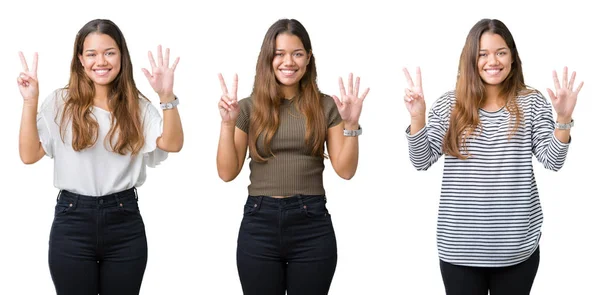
pixel 97 171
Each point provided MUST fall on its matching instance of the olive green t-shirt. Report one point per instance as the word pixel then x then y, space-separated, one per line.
pixel 293 170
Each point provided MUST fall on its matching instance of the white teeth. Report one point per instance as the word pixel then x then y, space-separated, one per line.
pixel 101 72
pixel 493 72
pixel 288 72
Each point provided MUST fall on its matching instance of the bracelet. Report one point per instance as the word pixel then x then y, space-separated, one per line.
pixel 353 133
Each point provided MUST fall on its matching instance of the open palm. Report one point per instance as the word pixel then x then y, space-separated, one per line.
pixel 162 76
pixel 565 98
pixel 350 104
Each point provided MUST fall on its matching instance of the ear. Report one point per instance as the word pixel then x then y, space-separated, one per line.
pixel 309 56
pixel 80 59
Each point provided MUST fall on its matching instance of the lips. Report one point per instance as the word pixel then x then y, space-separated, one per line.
pixel 493 72
pixel 101 72
pixel 287 72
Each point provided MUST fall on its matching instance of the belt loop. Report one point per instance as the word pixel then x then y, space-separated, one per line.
pixel 135 192
pixel 58 196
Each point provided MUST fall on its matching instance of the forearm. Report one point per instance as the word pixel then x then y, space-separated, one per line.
pixel 227 157
pixel 29 140
pixel 347 159
pixel 172 134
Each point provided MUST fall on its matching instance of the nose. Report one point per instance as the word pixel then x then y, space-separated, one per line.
pixel 288 60
pixel 101 60
pixel 493 59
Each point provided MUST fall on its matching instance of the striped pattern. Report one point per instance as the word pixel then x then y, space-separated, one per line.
pixel 490 213
pixel 293 170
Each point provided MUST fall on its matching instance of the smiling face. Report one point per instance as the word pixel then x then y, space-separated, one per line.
pixel 495 59
pixel 289 62
pixel 101 59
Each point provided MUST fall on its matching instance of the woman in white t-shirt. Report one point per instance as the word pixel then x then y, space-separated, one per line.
pixel 102 133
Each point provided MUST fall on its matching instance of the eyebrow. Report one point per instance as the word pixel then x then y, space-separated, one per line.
pixel 107 49
pixel 299 49
pixel 501 48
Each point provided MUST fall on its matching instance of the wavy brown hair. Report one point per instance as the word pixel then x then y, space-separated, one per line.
pixel 470 89
pixel 123 98
pixel 266 94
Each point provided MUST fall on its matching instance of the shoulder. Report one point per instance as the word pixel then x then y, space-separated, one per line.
pixel 54 101
pixel 327 101
pixel 245 104
pixel 444 103
pixel 532 98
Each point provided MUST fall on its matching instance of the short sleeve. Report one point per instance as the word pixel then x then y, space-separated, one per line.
pixel 332 115
pixel 153 128
pixel 45 121
pixel 243 119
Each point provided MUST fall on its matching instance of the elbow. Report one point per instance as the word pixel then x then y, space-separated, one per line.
pixel 346 175
pixel 226 177
pixel 27 160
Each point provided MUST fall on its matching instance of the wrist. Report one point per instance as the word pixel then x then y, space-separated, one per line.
pixel 165 98
pixel 30 103
pixel 564 119
pixel 351 125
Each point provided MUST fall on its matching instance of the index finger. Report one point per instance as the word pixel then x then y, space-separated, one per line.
pixel 23 62
pixel 223 86
pixel 408 78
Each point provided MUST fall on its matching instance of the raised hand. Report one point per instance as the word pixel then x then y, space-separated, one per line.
pixel 162 77
pixel 350 104
pixel 27 80
pixel 565 98
pixel 413 98
pixel 228 104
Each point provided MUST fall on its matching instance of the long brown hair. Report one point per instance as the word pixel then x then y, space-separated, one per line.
pixel 267 95
pixel 470 89
pixel 123 98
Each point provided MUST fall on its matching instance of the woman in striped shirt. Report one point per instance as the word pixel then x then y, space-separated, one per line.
pixel 489 219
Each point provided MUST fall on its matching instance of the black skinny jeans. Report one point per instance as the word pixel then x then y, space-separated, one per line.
pixel 97 244
pixel 286 244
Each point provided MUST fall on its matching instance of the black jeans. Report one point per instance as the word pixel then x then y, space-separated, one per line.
pixel 286 244
pixel 97 244
pixel 511 280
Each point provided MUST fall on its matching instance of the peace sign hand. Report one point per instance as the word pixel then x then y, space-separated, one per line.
pixel 414 98
pixel 350 104
pixel 228 104
pixel 162 77
pixel 565 99
pixel 27 80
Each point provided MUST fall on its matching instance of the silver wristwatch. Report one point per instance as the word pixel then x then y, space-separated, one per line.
pixel 562 126
pixel 169 105
pixel 356 132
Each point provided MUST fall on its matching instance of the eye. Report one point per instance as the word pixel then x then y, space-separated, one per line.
pixel 501 53
pixel 90 55
pixel 299 54
pixel 483 54
pixel 278 54
pixel 110 53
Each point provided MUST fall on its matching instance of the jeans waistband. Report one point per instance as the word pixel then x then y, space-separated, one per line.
pixel 295 201
pixel 102 201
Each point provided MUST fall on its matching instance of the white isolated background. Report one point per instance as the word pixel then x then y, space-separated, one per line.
pixel 385 217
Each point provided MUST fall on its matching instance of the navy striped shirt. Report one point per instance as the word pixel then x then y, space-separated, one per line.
pixel 489 213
